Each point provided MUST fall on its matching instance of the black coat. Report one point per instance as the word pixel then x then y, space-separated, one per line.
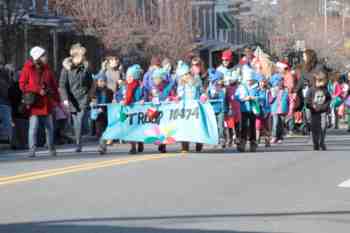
pixel 318 100
pixel 75 85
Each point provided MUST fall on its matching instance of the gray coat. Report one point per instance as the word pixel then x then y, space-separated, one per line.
pixel 75 85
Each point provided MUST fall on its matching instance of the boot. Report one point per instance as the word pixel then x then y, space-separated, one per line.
pixel 241 146
pixel 185 147
pixel 140 147
pixel 199 147
pixel 162 148
pixel 253 147
pixel 133 150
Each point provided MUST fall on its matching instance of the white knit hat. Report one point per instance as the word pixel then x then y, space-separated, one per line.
pixel 37 52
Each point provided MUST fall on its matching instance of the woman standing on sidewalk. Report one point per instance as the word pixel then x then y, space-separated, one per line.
pixel 40 92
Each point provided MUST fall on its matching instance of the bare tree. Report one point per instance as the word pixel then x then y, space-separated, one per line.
pixel 11 13
pixel 125 29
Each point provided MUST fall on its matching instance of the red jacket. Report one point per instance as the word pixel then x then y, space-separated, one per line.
pixel 31 81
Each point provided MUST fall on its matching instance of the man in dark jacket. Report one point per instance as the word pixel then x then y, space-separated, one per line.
pixel 318 101
pixel 75 85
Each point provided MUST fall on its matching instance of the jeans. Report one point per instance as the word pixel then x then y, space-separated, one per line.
pixel 277 126
pixel 42 121
pixel 220 122
pixel 319 128
pixel 6 120
pixel 78 123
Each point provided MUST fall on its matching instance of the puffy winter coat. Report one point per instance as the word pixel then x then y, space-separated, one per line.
pixel 33 81
pixel 75 85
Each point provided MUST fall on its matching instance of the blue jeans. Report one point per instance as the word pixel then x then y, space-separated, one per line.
pixel 277 126
pixel 42 121
pixel 221 124
pixel 78 123
pixel 6 120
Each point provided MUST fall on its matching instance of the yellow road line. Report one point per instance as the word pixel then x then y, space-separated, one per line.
pixel 78 168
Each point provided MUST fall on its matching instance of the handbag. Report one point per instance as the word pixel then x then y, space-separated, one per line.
pixel 30 98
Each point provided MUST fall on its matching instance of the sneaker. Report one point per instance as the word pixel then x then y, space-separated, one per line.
pixel 32 154
pixel 273 141
pixel 323 147
pixel 241 147
pixel 280 141
pixel 102 150
pixel 78 149
pixel 53 153
pixel 316 148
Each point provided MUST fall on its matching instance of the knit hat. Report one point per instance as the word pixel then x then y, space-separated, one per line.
pixel 275 80
pixel 182 69
pixel 37 52
pixel 159 73
pixel 215 75
pixel 225 71
pixel 227 55
pixel 101 76
pixel 134 71
pixel 247 73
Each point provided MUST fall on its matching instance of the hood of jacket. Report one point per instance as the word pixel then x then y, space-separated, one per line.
pixel 68 64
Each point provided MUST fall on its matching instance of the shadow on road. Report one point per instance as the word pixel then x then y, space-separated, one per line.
pixel 95 225
pixel 45 228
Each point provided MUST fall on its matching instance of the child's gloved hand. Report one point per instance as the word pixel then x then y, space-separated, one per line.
pixel 203 99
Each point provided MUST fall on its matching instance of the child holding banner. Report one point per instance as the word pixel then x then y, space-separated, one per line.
pixel 100 94
pixel 188 88
pixel 162 90
pixel 133 93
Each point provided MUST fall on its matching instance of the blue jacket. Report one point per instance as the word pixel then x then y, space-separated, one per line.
pixel 242 92
pixel 264 101
pixel 189 92
pixel 280 103
pixel 217 96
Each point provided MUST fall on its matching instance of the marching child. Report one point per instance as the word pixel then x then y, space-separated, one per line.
pixel 318 101
pixel 226 66
pixel 188 88
pixel 233 110
pixel 279 109
pixel 247 94
pixel 217 95
pixel 162 90
pixel 100 95
pixel 263 121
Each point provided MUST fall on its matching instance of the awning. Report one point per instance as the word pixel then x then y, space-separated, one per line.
pixel 225 20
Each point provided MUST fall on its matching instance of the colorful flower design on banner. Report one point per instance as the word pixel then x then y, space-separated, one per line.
pixel 160 135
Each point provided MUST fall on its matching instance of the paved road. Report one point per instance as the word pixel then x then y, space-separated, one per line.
pixel 288 189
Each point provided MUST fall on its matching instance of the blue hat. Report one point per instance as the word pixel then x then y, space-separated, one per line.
pixel 247 73
pixel 134 71
pixel 225 71
pixel 101 76
pixel 159 73
pixel 182 69
pixel 275 80
pixel 215 75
